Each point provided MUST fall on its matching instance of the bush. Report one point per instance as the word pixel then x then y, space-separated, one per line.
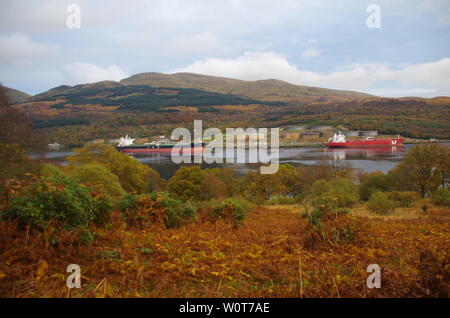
pixel 434 273
pixel 403 199
pixel 176 211
pixel 155 208
pixel 85 236
pixel 51 199
pixel 380 203
pixel 282 200
pixel 98 177
pixel 133 175
pixel 328 226
pixel 338 192
pixel 247 205
pixel 441 197
pixel 103 185
pixel 374 182
pixel 230 209
pixel 186 183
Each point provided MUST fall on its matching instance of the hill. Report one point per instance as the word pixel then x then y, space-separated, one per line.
pixel 140 97
pixel 149 104
pixel 271 90
pixel 16 96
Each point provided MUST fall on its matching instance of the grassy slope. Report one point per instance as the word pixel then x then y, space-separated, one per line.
pixel 16 96
pixel 263 258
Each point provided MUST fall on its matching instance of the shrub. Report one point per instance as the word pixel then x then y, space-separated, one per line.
pixel 327 226
pixel 374 182
pixel 433 275
pixel 403 199
pixel 282 200
pixel 155 208
pixel 380 203
pixel 176 211
pixel 338 192
pixel 86 236
pixel 51 171
pixel 53 199
pixel 441 197
pixel 103 185
pixel 133 175
pixel 98 177
pixel 186 183
pixel 230 209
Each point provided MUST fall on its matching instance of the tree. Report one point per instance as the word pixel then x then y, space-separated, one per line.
pixel 15 135
pixel 373 182
pixel 287 181
pixel 228 177
pixel 441 197
pixel 15 164
pixel 133 175
pixel 15 127
pixel 186 183
pixel 424 168
pixel 380 203
pixel 99 178
pixel 340 192
pixel 260 187
pixel 56 199
pixel 212 186
pixel 443 164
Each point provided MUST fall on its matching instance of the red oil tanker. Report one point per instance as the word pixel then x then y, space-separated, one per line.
pixel 339 141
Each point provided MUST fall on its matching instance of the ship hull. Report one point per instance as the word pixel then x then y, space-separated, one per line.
pixel 361 143
pixel 162 149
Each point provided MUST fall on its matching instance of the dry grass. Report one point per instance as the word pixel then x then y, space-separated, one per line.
pixel 265 257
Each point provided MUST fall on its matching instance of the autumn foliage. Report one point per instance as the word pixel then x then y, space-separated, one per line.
pixel 265 257
pixel 209 233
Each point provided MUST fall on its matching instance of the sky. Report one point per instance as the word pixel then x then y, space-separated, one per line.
pixel 323 43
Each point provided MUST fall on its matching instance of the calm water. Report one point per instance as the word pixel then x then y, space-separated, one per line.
pixel 365 159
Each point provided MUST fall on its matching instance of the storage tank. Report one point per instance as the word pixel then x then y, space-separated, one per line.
pixel 351 133
pixel 322 127
pixel 295 128
pixel 368 133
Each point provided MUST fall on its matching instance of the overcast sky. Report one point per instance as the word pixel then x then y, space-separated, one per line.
pixel 310 42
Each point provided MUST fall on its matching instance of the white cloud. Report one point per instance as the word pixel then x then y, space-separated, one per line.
pixel 402 92
pixel 77 73
pixel 423 79
pixel 51 15
pixel 19 49
pixel 312 52
pixel 162 34
pixel 250 66
pixel 202 42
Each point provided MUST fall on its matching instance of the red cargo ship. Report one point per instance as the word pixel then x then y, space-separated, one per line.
pixel 339 141
pixel 126 145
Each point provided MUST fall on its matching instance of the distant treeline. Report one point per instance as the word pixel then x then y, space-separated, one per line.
pixel 58 122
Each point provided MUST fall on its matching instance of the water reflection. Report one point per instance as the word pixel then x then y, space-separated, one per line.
pixel 367 159
pixel 352 153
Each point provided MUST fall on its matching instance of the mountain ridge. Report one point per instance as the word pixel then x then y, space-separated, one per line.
pixel 265 89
